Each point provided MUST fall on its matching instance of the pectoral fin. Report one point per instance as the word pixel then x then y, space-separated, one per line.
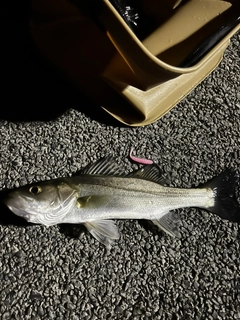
pixel 105 231
pixel 169 224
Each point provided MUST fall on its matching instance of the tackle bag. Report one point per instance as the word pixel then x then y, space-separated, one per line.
pixel 135 59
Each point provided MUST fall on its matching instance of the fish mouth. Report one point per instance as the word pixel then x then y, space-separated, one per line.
pixel 19 212
pixel 9 202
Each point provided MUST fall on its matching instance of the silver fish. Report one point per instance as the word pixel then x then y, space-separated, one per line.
pixel 102 192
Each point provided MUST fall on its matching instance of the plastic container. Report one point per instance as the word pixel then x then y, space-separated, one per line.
pixel 136 81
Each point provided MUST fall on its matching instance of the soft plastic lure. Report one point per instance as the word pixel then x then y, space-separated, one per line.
pixel 139 160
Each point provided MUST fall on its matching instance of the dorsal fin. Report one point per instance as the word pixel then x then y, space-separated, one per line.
pixel 108 167
pixel 104 166
pixel 149 172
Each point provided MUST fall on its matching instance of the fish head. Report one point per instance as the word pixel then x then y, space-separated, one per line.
pixel 45 203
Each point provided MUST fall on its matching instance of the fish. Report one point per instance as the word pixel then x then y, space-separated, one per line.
pixel 103 192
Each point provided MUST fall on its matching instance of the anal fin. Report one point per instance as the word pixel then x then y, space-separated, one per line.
pixel 169 224
pixel 105 231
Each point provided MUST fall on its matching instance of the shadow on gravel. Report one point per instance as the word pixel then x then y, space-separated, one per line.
pixel 72 230
pixel 31 89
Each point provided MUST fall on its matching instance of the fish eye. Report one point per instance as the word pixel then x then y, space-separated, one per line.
pixel 35 190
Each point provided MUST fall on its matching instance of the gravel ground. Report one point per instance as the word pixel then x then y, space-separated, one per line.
pixel 62 272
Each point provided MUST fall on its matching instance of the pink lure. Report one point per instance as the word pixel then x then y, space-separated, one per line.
pixel 139 160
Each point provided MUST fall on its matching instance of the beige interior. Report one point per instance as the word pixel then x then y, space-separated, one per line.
pixel 189 25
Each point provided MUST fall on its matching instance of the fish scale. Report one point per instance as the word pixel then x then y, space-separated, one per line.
pixel 131 200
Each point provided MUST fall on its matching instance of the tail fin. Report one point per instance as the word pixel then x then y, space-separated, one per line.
pixel 226 204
